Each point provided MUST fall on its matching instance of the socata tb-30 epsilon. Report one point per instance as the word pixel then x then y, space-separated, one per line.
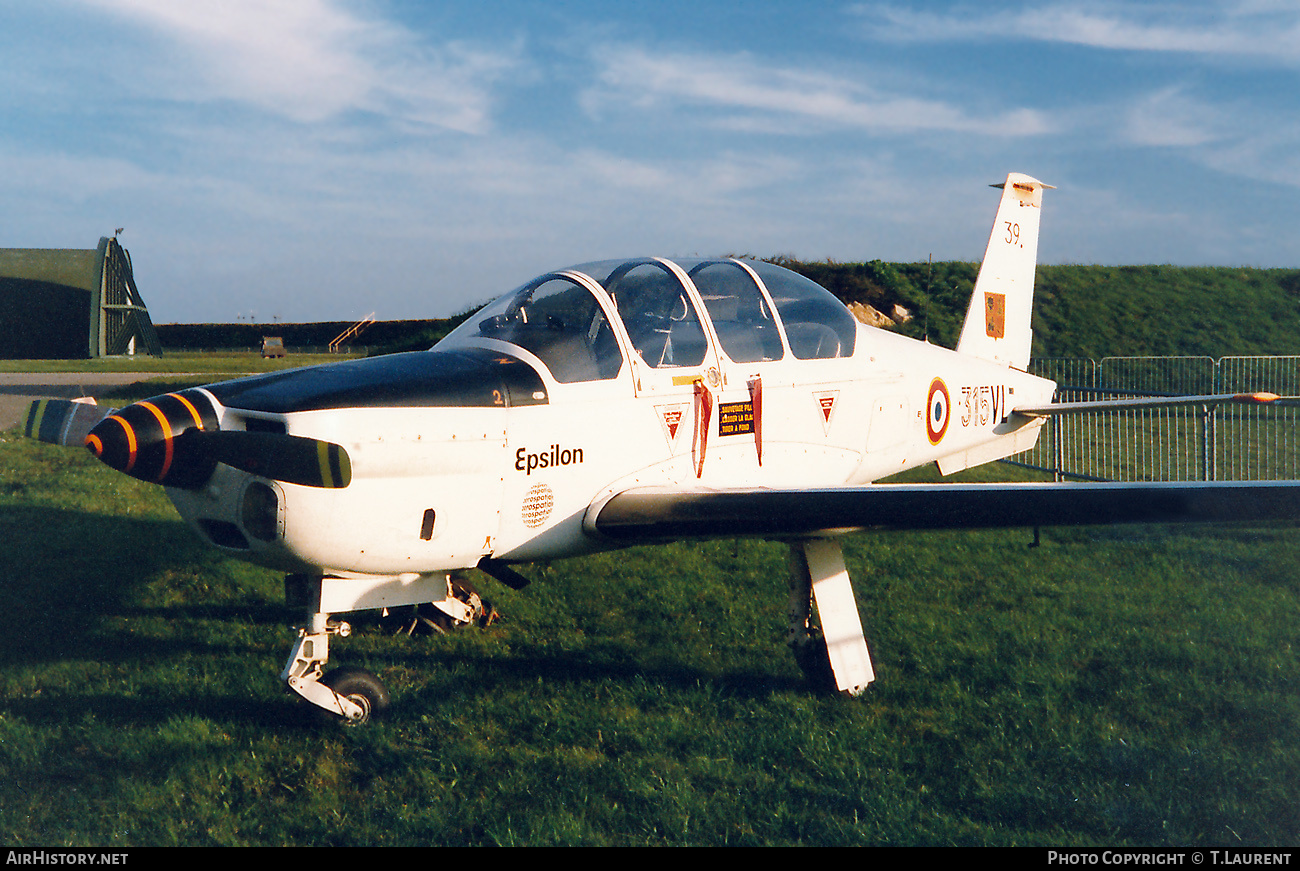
pixel 615 403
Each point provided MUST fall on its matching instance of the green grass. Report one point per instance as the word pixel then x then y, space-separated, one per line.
pixel 1133 686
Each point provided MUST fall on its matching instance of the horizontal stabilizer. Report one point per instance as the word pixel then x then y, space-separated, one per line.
pixel 659 514
pixel 63 421
pixel 1153 402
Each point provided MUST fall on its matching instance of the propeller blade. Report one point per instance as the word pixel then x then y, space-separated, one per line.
pixel 62 421
pixel 292 459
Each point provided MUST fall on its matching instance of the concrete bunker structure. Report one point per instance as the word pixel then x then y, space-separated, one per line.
pixel 62 303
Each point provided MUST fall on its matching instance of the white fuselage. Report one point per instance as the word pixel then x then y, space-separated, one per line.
pixel 515 482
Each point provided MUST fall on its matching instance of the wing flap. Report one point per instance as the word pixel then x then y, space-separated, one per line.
pixel 658 514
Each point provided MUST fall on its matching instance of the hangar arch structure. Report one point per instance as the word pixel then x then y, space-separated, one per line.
pixel 64 303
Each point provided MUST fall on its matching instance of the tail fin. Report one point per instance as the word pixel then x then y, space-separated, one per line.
pixel 997 322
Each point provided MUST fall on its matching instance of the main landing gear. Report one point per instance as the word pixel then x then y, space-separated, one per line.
pixel 837 658
pixel 461 607
pixel 834 658
pixel 354 695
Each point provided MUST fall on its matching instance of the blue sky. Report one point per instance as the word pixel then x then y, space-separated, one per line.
pixel 318 160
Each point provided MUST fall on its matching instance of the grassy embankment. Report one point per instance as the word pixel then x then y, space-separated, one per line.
pixel 1095 311
pixel 218 364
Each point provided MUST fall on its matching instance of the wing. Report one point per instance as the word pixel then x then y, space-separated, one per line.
pixel 659 514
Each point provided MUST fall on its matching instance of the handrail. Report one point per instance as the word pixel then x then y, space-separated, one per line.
pixel 351 331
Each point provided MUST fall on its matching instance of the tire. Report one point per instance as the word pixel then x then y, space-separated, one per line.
pixel 422 619
pixel 815 662
pixel 362 687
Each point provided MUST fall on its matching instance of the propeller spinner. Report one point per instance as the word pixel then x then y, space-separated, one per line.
pixel 176 440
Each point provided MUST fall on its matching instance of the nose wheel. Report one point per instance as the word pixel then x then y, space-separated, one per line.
pixel 362 689
pixel 352 695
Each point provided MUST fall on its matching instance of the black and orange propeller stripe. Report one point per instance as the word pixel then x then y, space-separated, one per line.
pixel 175 440
pixel 148 440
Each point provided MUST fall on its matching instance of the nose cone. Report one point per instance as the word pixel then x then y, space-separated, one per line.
pixel 147 440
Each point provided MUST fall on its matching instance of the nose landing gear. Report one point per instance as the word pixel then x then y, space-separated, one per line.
pixel 350 694
pixel 435 603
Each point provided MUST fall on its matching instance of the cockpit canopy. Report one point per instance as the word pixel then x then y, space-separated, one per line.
pixel 581 321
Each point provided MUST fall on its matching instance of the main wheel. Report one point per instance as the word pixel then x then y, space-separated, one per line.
pixel 425 619
pixel 436 618
pixel 815 662
pixel 360 686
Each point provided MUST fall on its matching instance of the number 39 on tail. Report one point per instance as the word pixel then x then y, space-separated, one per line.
pixel 616 403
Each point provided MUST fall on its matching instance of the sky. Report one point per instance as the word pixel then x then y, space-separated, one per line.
pixel 309 160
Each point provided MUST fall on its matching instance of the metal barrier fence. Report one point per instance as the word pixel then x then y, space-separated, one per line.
pixel 1228 442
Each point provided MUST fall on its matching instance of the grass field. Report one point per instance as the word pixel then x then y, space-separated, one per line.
pixel 1135 686
pixel 217 364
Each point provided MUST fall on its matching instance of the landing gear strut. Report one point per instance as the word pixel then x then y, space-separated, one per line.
pixel 837 658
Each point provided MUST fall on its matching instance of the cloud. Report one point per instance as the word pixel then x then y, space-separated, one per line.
pixel 751 95
pixel 310 60
pixel 1260 32
pixel 1170 118
pixel 1221 97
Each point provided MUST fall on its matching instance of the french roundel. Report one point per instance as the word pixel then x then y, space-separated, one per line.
pixel 936 411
